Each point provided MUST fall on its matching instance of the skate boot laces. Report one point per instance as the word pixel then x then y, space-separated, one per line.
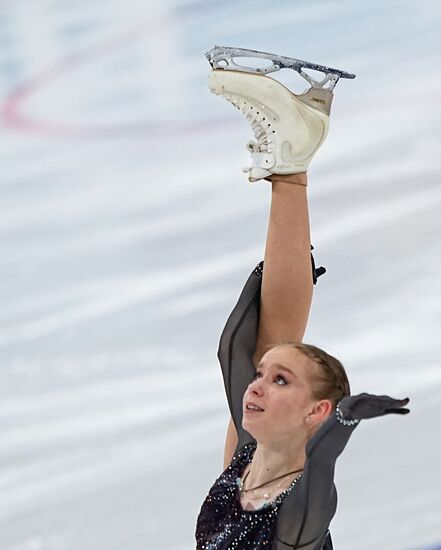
pixel 261 150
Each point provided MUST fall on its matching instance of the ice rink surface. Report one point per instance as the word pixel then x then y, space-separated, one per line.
pixel 128 229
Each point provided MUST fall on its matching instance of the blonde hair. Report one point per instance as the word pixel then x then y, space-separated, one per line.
pixel 329 380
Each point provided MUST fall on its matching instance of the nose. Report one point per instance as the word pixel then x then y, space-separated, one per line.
pixel 255 386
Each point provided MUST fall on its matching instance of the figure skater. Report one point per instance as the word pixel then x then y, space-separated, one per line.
pixel 291 409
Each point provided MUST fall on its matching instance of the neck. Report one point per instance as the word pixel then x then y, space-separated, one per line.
pixel 270 461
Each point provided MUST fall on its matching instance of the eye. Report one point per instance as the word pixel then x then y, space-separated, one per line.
pixel 279 377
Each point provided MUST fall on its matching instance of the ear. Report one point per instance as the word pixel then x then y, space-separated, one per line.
pixel 320 411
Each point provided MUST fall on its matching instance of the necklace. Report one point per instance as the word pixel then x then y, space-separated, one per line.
pixel 266 495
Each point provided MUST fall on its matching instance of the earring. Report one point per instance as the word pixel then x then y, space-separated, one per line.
pixel 307 419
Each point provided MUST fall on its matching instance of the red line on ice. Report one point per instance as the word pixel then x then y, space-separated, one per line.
pixel 12 116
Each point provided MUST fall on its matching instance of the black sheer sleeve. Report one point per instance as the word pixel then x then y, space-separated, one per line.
pixel 306 513
pixel 236 350
pixel 238 343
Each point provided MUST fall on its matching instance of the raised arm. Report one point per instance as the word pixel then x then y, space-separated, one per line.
pixel 285 292
pixel 231 442
pixel 287 282
pixel 236 349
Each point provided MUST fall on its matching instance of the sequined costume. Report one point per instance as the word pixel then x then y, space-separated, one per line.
pixel 224 524
pixel 300 516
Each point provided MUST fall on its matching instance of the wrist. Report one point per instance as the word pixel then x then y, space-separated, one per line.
pixel 345 418
pixel 297 178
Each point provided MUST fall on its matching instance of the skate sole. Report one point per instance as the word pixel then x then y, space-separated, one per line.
pixel 315 99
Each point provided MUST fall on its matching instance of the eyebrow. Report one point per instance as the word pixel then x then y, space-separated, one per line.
pixel 278 365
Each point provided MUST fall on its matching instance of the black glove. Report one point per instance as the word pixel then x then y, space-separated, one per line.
pixel 366 405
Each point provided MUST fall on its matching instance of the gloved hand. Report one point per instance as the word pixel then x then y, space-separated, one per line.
pixel 366 405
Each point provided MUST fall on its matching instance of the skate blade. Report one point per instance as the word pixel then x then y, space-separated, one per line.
pixel 221 57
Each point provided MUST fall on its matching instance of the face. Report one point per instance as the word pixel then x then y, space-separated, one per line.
pixel 282 388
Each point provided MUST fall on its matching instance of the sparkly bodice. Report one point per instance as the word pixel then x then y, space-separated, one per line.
pixel 223 524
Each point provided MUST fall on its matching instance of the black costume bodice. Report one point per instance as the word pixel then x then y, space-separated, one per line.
pixel 222 522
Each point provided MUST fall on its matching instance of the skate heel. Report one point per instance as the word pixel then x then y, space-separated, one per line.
pixel 317 98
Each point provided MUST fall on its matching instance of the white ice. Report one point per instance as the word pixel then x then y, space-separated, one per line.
pixel 127 231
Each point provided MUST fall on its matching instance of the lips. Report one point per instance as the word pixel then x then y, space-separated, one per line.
pixel 251 404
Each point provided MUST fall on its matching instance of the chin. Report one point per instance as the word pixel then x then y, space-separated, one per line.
pixel 252 430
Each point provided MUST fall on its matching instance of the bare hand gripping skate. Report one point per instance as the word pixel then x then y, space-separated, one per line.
pixel 289 128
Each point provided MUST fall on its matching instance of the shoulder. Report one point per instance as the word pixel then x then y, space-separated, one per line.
pixel 227 481
pixel 241 457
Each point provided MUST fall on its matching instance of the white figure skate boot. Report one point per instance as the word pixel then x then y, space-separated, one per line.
pixel 288 128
